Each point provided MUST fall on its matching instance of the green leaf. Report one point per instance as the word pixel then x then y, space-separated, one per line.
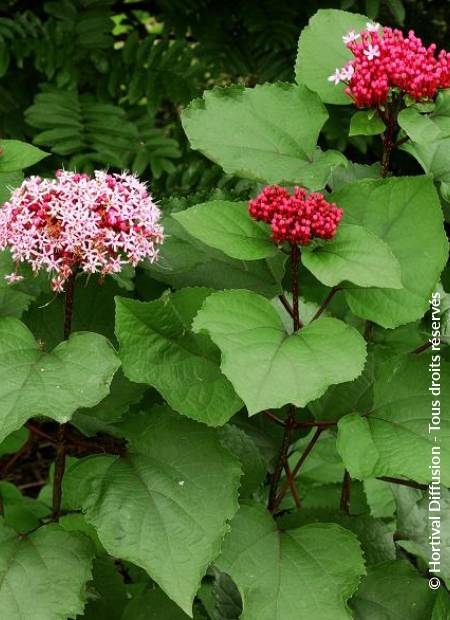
pixel 185 261
pixel 15 298
pixel 152 605
pixel 20 512
pixel 107 596
pixel 15 155
pixel 253 464
pixel 432 154
pixel 158 347
pixel 43 575
pixel 355 430
pixel 8 181
pixel 406 214
pixel 165 506
pixel 398 424
pixel 397 9
pixel 309 572
pixel 321 50
pixel 380 498
pixel 418 519
pixel 77 373
pixel 269 368
pixel 441 609
pixel 393 591
pixel 227 226
pixel 375 536
pixel 356 255
pixel 13 442
pixel 419 127
pixel 123 393
pixel 267 133
pixel 366 123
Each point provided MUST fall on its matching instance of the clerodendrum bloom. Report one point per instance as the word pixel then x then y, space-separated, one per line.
pixel 77 222
pixel 385 59
pixel 297 218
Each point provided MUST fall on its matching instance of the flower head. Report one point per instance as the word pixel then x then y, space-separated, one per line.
pixel 94 224
pixel 296 218
pixel 384 59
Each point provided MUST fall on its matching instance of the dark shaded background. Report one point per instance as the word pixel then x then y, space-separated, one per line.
pixel 101 83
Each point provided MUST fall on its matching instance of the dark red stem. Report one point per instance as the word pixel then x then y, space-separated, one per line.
pixel 326 301
pixel 297 468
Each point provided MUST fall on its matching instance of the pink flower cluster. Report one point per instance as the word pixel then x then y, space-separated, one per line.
pixel 94 224
pixel 298 217
pixel 387 59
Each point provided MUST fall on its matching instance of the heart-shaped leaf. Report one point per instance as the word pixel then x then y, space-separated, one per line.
pixel 43 575
pixel 227 226
pixel 307 572
pixel 77 373
pixel 267 366
pixel 356 255
pixel 165 505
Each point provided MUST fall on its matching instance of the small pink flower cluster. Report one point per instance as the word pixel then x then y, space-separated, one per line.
pixel 389 60
pixel 298 217
pixel 95 224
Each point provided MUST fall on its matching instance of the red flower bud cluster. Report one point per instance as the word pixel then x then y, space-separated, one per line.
pixel 388 59
pixel 296 218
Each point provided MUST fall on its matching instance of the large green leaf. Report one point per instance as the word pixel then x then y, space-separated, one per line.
pixel 158 347
pixel 227 226
pixel 397 426
pixel 406 213
pixel 43 575
pixel 77 373
pixel 354 429
pixel 356 255
pixel 430 137
pixel 309 572
pixel 267 133
pixel 393 591
pixel 268 367
pixel 185 261
pixel 321 50
pixel 165 506
pixel 16 155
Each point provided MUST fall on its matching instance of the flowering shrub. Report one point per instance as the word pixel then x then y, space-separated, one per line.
pixel 248 417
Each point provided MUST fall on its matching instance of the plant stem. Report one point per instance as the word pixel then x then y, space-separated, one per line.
pixel 326 301
pixel 297 468
pixel 390 121
pixel 295 257
pixel 292 486
pixel 274 418
pixel 406 483
pixel 60 462
pixel 286 304
pixel 282 458
pixel 345 494
pixel 290 423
